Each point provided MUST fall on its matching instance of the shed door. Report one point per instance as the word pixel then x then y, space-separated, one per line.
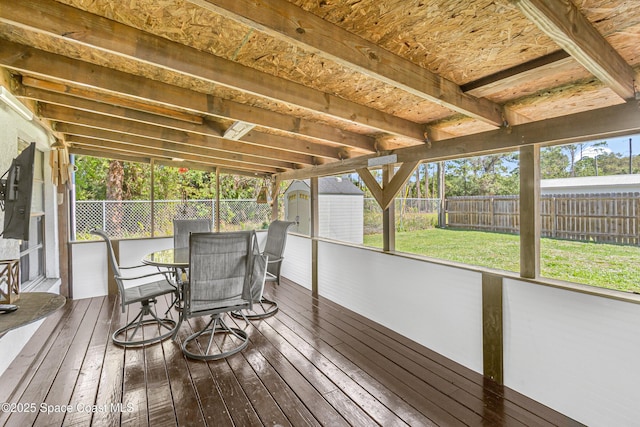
pixel 298 210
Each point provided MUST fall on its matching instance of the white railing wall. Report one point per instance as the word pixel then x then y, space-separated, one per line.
pixel 437 306
pixel 572 351
pixel 297 260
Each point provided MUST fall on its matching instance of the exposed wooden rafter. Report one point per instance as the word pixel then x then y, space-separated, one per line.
pixel 66 24
pixel 206 127
pixel 282 19
pixel 623 119
pixel 562 21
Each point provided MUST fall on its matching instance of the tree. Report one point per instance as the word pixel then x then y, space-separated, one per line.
pixel 554 163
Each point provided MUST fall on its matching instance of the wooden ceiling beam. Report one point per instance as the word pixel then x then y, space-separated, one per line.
pixel 94 94
pixel 259 155
pixel 209 128
pixel 69 25
pixel 173 150
pixel 286 21
pixel 114 110
pixel 505 79
pixel 602 123
pixel 155 153
pixel 562 22
pixel 67 71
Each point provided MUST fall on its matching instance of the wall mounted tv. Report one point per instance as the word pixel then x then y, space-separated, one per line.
pixel 16 186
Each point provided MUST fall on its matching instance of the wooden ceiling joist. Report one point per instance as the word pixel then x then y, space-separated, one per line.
pixel 285 20
pixel 209 128
pixel 119 84
pixel 158 153
pixel 562 21
pixel 619 120
pixel 231 149
pixel 66 24
pixel 173 150
pixel 91 94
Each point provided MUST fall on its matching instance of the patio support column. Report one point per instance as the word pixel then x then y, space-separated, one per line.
pixel 153 198
pixel 388 213
pixel 275 192
pixel 64 212
pixel 492 331
pixel 216 214
pixel 530 211
pixel 315 231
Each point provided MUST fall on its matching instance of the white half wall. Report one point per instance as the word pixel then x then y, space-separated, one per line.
pixel 297 260
pixel 437 306
pixel 574 352
pixel 89 271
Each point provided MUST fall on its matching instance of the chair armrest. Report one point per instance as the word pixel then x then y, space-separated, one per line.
pixel 145 276
pixel 274 260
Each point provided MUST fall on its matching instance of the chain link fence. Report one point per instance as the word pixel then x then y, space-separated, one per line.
pixel 133 219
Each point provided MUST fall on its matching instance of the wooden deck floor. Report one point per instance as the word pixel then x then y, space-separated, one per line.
pixel 314 363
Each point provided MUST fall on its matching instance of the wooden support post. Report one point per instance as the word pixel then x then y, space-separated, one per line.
pixel 216 215
pixel 492 333
pixel 388 214
pixel 442 213
pixel 530 211
pixel 275 192
pixel 63 238
pixel 315 231
pixel 153 198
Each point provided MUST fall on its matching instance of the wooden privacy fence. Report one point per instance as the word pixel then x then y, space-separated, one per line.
pixel 606 218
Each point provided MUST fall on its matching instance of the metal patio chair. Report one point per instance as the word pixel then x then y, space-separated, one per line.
pixel 226 274
pixel 183 227
pixel 274 250
pixel 146 327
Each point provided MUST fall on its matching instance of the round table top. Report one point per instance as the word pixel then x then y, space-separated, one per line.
pixel 172 258
pixel 32 306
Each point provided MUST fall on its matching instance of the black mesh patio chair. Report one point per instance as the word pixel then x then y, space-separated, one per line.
pixel 274 250
pixel 146 327
pixel 226 274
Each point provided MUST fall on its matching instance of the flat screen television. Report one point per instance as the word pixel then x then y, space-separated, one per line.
pixel 15 195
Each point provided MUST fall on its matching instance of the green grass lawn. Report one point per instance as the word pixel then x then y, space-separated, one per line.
pixel 602 265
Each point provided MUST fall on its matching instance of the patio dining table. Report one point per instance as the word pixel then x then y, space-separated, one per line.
pixel 168 258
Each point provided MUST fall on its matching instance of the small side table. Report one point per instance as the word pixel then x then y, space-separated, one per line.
pixel 32 306
pixel 9 281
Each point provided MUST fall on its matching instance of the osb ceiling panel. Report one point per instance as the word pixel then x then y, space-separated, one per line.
pixel 319 100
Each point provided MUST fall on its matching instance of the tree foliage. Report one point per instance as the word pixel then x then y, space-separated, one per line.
pixel 102 179
pixel 497 174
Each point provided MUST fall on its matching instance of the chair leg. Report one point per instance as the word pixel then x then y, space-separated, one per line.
pixel 216 327
pixel 125 336
pixel 261 310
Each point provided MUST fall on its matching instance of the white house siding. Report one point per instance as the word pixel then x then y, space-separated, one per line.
pixel 341 217
pixel 591 184
pixel 14 127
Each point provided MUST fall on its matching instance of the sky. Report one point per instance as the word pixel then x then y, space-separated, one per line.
pixel 621 144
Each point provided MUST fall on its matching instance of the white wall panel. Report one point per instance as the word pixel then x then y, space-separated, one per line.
pixel 131 253
pixel 574 352
pixel 437 306
pixel 297 260
pixel 89 270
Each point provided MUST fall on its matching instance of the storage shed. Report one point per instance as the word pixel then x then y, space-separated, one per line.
pixel 340 207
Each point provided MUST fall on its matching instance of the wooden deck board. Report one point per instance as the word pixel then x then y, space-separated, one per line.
pixel 314 363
